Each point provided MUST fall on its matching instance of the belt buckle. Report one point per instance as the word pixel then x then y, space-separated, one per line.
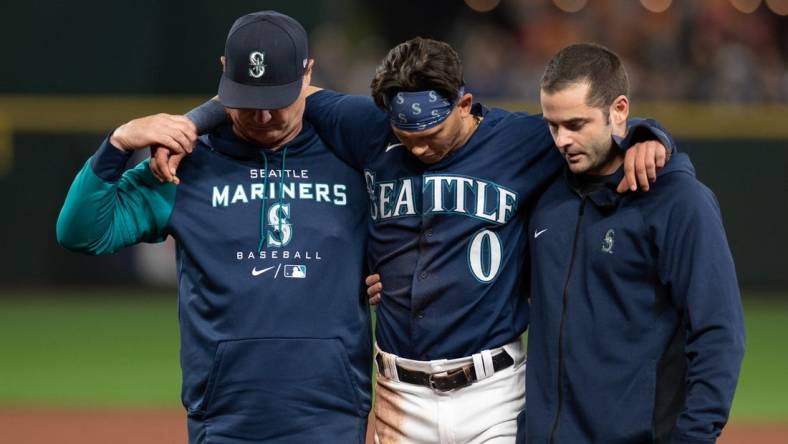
pixel 465 382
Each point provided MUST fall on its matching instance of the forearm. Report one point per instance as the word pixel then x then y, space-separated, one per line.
pixel 208 116
pixel 714 351
pixel 106 209
pixel 641 130
pixel 714 359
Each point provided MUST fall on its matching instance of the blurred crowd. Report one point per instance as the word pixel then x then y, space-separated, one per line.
pixel 699 50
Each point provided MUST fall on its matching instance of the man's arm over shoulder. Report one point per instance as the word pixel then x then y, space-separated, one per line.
pixel 648 147
pixel 107 209
pixel 696 264
pixel 352 126
pixel 641 129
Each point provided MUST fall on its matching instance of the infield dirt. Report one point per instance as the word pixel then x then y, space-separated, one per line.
pixel 45 426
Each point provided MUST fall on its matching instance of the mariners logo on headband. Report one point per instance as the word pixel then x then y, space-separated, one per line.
pixel 420 110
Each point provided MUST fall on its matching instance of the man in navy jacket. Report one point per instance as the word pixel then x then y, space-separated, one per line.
pixel 636 328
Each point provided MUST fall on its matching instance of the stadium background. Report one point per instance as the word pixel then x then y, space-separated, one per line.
pixel 82 334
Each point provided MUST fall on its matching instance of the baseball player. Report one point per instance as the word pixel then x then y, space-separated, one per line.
pixel 636 330
pixel 270 228
pixel 449 185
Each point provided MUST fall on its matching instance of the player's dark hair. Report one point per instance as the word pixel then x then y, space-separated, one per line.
pixel 418 64
pixel 590 62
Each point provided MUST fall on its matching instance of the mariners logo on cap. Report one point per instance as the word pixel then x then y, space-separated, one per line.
pixel 256 64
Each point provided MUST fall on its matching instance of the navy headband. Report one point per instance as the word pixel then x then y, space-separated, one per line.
pixel 420 110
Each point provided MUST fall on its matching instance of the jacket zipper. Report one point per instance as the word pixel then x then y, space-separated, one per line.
pixel 563 318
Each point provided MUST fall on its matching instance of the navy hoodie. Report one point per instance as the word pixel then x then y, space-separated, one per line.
pixel 275 329
pixel 636 330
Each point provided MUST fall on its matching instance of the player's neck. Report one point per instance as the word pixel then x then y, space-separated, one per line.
pixel 469 126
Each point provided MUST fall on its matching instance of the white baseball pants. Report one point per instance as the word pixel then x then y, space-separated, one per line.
pixel 484 412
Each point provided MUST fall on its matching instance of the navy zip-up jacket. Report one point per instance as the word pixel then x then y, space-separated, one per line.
pixel 275 329
pixel 636 328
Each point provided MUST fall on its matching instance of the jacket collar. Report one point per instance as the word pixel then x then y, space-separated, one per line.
pixel 605 195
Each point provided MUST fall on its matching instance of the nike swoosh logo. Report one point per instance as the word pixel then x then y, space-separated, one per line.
pixel 256 272
pixel 393 145
pixel 539 233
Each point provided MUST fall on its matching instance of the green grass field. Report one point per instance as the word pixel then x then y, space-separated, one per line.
pixel 104 349
pixel 120 349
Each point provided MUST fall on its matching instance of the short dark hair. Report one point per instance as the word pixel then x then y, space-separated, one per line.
pixel 587 62
pixel 418 64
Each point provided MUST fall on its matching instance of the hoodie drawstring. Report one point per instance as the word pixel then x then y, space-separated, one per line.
pixel 281 188
pixel 262 204
pixel 265 195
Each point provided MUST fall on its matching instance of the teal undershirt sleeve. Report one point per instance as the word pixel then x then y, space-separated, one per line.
pixel 102 216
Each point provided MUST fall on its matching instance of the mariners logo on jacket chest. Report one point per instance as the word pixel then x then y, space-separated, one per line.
pixel 441 193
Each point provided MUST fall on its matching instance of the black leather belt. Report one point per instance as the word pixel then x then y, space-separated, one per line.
pixel 445 381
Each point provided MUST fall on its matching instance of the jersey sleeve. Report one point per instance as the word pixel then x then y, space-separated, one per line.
pixel 352 126
pixel 208 116
pixel 107 209
pixel 544 162
pixel 641 130
pixel 548 161
pixel 696 264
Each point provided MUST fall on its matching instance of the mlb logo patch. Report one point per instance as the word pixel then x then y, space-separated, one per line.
pixel 295 271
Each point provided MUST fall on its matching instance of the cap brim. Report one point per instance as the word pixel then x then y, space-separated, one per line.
pixel 237 95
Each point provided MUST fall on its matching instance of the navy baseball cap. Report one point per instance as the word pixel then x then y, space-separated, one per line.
pixel 265 58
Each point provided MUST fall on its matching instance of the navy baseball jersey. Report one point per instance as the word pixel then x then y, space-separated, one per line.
pixel 448 239
pixel 270 250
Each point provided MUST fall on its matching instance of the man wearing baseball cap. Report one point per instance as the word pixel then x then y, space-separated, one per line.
pixel 270 230
pixel 252 82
